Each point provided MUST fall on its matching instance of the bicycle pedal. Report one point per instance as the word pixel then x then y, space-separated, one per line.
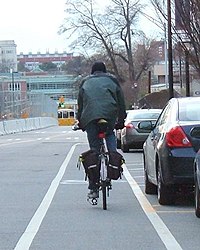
pixel 92 201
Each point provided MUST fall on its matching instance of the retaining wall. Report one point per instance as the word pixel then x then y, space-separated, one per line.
pixel 22 125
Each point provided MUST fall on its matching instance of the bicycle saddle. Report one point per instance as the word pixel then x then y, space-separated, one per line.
pixel 103 125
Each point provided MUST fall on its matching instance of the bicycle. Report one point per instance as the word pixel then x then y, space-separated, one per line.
pixel 104 183
pixel 102 165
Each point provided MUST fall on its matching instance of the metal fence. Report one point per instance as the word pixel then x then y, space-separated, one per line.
pixel 16 105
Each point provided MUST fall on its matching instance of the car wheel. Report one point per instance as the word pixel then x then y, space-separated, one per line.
pixel 166 194
pixel 149 187
pixel 124 148
pixel 197 198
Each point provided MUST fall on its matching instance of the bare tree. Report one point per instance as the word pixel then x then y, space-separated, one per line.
pixel 112 31
pixel 123 18
pixel 185 25
pixel 112 35
pixel 88 27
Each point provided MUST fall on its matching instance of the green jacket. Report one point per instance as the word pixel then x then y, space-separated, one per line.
pixel 100 96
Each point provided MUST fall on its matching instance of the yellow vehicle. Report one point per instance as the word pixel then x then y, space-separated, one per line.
pixel 66 117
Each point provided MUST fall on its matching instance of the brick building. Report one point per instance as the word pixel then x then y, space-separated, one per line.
pixel 32 61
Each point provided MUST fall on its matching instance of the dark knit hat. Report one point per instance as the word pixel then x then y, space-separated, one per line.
pixel 98 66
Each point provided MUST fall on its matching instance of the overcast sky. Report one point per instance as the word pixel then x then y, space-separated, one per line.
pixel 34 25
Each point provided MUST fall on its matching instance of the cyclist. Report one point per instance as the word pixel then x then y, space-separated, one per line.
pixel 100 96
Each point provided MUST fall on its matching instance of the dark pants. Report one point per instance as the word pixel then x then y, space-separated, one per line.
pixel 92 131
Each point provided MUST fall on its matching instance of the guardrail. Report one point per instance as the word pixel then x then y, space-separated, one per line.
pixel 22 125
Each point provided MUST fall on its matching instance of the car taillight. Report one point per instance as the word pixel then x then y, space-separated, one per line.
pixel 177 138
pixel 129 125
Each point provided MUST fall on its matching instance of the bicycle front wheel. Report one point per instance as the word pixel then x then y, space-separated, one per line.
pixel 104 196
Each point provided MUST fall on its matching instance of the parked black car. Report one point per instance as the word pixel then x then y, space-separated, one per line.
pixel 196 133
pixel 170 149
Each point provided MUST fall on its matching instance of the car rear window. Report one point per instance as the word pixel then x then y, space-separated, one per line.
pixel 189 113
pixel 143 116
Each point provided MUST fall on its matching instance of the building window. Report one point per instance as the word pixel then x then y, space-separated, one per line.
pixel 9 51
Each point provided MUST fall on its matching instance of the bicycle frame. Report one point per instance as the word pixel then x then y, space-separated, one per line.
pixel 103 158
pixel 104 182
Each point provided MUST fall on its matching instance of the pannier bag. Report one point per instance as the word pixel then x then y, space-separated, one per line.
pixel 115 169
pixel 89 160
pixel 91 164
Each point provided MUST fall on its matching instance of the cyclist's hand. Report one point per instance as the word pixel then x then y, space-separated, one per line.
pixel 76 126
pixel 119 125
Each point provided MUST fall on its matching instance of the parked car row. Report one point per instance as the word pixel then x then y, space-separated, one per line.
pixel 131 136
pixel 171 148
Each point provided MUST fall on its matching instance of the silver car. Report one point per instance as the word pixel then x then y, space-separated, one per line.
pixel 131 136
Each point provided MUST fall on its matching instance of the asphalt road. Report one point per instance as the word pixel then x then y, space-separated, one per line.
pixel 44 206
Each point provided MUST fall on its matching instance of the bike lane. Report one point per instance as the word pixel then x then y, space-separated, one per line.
pixel 65 220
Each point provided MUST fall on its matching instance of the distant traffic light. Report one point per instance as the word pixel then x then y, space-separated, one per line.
pixel 61 102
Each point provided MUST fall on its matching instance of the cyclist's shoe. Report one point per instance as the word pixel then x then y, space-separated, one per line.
pixel 93 194
pixel 108 183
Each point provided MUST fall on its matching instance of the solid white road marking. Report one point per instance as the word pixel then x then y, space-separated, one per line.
pixel 33 226
pixel 15 142
pixel 136 169
pixel 138 176
pixel 135 164
pixel 73 182
pixel 161 229
pixel 67 182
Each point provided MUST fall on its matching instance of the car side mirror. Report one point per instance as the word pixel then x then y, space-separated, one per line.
pixel 147 126
pixel 195 133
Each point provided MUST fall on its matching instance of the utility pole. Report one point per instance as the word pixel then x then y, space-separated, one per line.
pixel 170 58
pixel 166 57
pixel 187 73
pixel 149 82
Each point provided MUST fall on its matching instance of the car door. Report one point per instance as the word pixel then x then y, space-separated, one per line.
pixel 152 143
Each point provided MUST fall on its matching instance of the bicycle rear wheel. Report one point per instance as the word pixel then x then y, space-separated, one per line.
pixel 104 188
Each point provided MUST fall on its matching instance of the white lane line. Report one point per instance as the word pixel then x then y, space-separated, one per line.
pixel 161 229
pixel 135 164
pixel 73 182
pixel 136 169
pixel 69 182
pixel 16 142
pixel 34 225
pixel 141 185
pixel 138 176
